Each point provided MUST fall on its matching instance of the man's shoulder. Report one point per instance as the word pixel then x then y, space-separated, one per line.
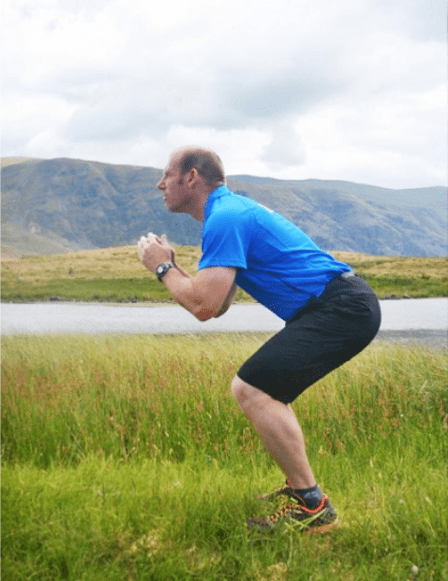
pixel 231 204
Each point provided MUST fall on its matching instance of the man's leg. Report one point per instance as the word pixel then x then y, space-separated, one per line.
pixel 279 430
pixel 303 502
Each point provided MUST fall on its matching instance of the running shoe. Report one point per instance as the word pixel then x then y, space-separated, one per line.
pixel 293 511
pixel 284 489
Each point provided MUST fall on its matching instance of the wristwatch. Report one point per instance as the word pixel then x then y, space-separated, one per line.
pixel 162 269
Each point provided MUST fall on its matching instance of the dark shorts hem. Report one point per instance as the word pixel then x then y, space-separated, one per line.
pixel 323 335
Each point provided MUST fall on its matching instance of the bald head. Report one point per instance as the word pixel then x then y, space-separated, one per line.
pixel 206 162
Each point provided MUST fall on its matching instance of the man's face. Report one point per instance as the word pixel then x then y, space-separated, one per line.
pixel 176 194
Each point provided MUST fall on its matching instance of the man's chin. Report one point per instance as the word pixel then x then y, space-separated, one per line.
pixel 175 209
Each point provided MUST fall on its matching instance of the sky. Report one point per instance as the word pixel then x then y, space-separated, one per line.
pixel 351 90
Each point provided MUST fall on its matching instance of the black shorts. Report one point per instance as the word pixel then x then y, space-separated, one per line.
pixel 320 337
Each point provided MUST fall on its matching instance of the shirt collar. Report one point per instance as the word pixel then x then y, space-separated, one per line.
pixel 214 195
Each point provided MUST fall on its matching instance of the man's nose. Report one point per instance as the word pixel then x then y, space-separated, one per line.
pixel 160 185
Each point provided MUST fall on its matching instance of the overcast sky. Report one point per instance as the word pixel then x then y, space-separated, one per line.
pixel 349 89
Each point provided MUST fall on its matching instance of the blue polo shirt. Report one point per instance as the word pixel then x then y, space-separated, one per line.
pixel 277 263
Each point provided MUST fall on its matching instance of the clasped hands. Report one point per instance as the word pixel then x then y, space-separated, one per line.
pixel 153 250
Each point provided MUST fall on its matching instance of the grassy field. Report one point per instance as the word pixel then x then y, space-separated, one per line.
pixel 116 274
pixel 125 458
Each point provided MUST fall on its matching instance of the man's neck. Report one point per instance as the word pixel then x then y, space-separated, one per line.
pixel 198 212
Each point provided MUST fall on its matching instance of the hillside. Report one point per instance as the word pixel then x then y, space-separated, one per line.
pixel 59 205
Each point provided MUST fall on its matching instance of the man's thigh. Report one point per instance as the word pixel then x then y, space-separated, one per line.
pixel 308 348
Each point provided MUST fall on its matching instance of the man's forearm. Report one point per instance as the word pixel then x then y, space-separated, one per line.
pixel 181 270
pixel 183 289
pixel 203 295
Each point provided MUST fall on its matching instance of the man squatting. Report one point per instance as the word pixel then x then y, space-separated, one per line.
pixel 330 313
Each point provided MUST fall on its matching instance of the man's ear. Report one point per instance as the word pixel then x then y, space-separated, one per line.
pixel 193 177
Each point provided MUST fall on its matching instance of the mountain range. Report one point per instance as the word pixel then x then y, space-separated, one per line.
pixel 60 205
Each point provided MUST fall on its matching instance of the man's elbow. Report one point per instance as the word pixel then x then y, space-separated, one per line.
pixel 204 316
pixel 203 313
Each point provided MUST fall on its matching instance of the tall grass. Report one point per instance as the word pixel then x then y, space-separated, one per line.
pixel 126 458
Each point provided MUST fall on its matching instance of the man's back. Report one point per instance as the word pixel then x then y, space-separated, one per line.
pixel 277 263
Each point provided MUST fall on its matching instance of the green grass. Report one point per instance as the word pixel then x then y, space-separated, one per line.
pixel 396 286
pixel 126 458
pixel 93 289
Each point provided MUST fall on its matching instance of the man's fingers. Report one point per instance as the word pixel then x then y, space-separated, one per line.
pixel 151 237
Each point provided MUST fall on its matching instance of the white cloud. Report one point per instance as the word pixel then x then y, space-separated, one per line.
pixel 397 140
pixel 278 87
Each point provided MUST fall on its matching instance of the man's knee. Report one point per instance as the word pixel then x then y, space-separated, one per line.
pixel 246 395
pixel 239 389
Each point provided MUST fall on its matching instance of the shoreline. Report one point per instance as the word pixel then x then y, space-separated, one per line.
pixel 168 303
pixel 429 338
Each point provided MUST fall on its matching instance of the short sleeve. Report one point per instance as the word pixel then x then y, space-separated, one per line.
pixel 226 239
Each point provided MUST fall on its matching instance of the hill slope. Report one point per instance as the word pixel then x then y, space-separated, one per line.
pixel 51 206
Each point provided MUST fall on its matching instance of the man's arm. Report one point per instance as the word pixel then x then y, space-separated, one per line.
pixel 225 307
pixel 206 295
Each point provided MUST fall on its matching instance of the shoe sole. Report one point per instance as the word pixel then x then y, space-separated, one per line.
pixel 323 529
pixel 298 527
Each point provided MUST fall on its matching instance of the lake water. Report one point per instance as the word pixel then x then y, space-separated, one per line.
pixel 99 318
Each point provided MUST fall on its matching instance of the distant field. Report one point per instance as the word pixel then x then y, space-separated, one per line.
pixel 116 274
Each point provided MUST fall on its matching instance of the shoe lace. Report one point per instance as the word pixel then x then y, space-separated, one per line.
pixel 286 507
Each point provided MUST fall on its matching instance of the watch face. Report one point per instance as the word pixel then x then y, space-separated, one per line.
pixel 163 268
